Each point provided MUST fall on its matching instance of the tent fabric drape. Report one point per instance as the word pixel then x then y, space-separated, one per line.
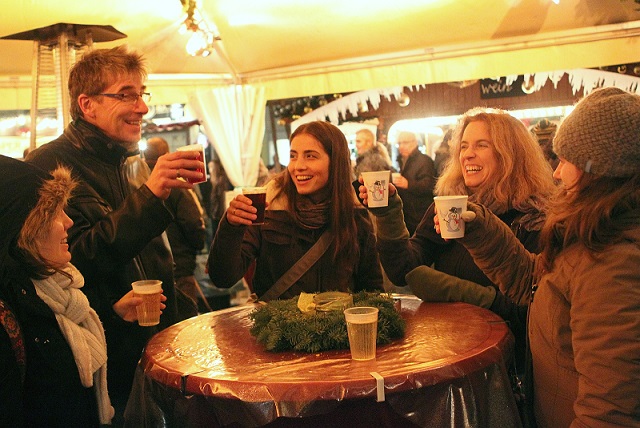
pixel 585 79
pixel 233 119
pixel 472 63
pixel 348 104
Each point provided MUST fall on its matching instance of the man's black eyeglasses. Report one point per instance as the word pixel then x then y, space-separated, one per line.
pixel 130 98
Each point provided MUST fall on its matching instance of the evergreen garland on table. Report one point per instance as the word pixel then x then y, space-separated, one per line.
pixel 280 326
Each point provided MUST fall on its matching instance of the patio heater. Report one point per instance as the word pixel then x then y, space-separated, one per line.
pixel 56 49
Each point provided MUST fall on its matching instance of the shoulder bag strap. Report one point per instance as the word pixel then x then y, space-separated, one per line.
pixel 297 270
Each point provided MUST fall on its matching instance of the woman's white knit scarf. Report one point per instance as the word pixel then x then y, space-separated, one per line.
pixel 83 330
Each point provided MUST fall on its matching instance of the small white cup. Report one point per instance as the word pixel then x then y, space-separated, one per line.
pixel 449 210
pixel 362 328
pixel 377 184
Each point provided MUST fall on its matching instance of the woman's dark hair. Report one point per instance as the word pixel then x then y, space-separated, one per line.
pixel 594 212
pixel 340 191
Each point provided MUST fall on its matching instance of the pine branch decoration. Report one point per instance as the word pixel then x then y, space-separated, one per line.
pixel 281 326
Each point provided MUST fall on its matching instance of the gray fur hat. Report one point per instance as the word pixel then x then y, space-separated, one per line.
pixel 602 134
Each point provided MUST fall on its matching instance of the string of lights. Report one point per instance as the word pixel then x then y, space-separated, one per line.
pixel 202 33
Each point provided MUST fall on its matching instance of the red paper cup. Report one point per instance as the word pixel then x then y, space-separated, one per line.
pixel 199 148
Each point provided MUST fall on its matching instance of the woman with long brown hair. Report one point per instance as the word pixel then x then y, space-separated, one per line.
pixel 517 178
pixel 313 195
pixel 496 162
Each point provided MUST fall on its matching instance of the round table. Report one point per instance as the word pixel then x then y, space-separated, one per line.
pixel 449 369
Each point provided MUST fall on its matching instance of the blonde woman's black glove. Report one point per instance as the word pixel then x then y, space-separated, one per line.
pixel 431 285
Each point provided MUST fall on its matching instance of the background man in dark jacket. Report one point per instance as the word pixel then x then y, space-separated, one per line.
pixel 186 233
pixel 118 233
pixel 416 179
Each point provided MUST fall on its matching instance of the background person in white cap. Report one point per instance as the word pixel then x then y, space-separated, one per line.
pixel 370 154
pixel 584 322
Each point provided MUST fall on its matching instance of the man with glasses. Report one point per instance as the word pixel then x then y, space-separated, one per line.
pixel 118 232
pixel 415 181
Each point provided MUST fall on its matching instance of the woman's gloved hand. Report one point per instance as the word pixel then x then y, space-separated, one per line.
pixel 431 285
pixel 389 219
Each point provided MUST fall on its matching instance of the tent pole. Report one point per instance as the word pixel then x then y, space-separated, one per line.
pixel 274 137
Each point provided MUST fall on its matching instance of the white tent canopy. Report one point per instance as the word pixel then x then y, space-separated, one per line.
pixel 289 48
pixel 293 48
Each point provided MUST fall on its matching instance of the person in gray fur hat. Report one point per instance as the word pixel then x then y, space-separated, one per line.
pixel 53 356
pixel 584 322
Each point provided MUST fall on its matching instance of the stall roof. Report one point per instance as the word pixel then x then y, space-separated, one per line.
pixel 299 48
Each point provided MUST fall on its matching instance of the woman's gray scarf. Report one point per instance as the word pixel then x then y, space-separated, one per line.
pixel 312 215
